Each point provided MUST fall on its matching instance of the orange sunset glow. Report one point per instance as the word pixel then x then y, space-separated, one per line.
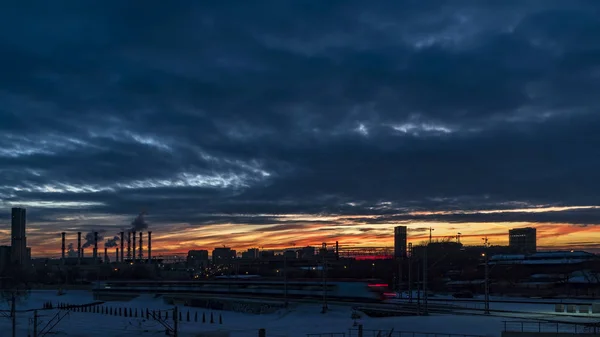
pixel 348 230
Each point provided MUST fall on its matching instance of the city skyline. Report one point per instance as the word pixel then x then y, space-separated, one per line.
pixel 288 122
pixel 167 238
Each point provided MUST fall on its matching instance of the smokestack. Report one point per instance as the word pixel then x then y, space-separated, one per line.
pixel 141 246
pixel 63 234
pixel 149 246
pixel 128 245
pixel 79 247
pixel 133 248
pixel 105 255
pixel 95 251
pixel 117 254
pixel 82 252
pixel 122 247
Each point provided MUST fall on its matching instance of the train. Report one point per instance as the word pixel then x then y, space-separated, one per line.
pixel 339 290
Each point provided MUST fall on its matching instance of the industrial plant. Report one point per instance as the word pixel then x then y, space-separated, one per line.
pixel 446 263
pixel 135 249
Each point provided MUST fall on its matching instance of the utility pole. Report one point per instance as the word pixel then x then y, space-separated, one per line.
pixel 487 286
pixel 175 321
pixel 400 288
pixel 487 276
pixel 425 312
pixel 35 323
pixel 418 288
pixel 285 288
pixel 410 293
pixel 430 236
pixel 324 271
pixel 13 314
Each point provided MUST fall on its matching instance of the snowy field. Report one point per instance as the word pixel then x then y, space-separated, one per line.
pixel 534 307
pixel 298 320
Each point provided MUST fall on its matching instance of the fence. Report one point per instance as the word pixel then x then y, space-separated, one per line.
pixel 551 327
pixel 50 319
pixel 383 333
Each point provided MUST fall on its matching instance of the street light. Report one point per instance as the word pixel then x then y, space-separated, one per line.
pixel 285 292
pixel 487 276
pixel 430 237
pixel 323 273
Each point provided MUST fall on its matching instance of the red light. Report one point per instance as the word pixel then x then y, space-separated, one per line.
pixel 378 285
pixel 373 257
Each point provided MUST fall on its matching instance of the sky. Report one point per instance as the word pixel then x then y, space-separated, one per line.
pixel 290 123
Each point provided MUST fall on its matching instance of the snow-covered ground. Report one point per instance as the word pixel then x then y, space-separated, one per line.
pixel 517 304
pixel 298 320
pixel 480 297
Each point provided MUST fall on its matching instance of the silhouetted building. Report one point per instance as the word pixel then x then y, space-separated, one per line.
pixel 267 254
pixel 327 252
pixel 290 254
pixel 5 252
pixel 440 249
pixel 307 252
pixel 252 253
pixel 197 258
pixel 223 255
pixel 18 240
pixel 400 236
pixel 522 240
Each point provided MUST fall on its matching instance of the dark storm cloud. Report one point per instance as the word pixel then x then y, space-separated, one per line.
pixel 342 107
pixel 582 217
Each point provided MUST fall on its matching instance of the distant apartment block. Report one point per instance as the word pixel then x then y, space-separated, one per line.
pixel 5 253
pixel 290 254
pixel 307 252
pixel 197 258
pixel 267 254
pixel 522 240
pixel 223 255
pixel 18 242
pixel 252 253
pixel 400 238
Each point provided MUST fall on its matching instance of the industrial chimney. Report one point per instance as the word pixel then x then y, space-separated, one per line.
pixel 82 252
pixel 79 247
pixel 128 245
pixel 106 255
pixel 63 235
pixel 140 243
pixel 149 246
pixel 133 248
pixel 122 247
pixel 95 251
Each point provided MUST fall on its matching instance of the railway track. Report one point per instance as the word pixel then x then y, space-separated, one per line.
pixel 460 300
pixel 435 306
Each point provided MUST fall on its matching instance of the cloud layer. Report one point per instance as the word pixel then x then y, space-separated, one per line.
pixel 264 114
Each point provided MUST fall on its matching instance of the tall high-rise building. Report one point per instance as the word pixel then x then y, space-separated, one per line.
pixel 18 241
pixel 523 240
pixel 400 236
